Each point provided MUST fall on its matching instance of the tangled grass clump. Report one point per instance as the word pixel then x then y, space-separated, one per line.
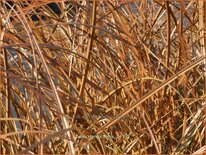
pixel 86 77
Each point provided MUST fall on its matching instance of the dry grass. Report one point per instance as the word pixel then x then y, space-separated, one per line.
pixel 102 77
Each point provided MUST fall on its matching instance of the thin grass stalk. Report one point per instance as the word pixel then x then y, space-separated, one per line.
pixel 38 99
pixel 151 134
pixel 181 47
pixel 1 85
pixel 181 50
pixel 202 29
pixel 89 47
pixel 40 149
pixel 168 37
pixel 7 89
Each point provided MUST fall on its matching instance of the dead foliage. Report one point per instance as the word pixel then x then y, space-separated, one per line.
pixel 85 77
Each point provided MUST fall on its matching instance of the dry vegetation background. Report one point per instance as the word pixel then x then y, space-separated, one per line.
pixel 102 76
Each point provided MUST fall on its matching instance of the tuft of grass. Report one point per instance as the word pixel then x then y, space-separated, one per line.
pixel 106 77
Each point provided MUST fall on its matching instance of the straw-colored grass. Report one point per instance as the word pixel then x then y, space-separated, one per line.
pixel 107 77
